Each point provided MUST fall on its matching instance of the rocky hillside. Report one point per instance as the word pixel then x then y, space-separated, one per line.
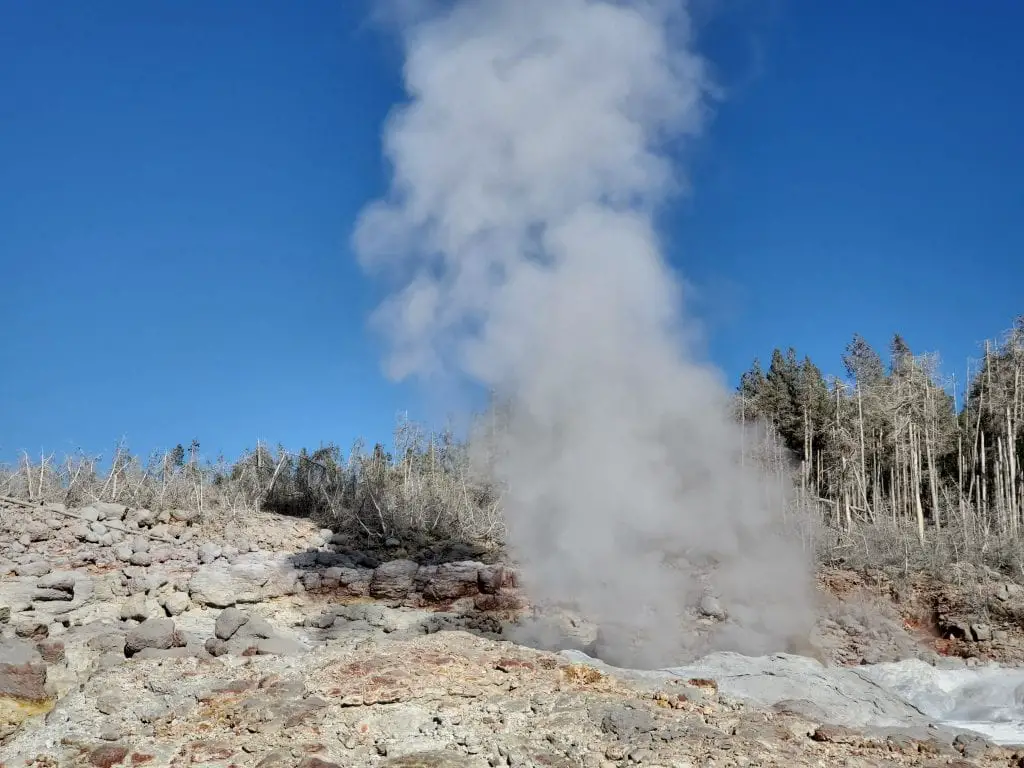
pixel 131 638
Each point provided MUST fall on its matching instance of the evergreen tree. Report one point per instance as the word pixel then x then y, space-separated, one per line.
pixel 899 355
pixel 781 398
pixel 863 364
pixel 751 387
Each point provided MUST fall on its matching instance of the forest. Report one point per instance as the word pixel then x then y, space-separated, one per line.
pixel 894 445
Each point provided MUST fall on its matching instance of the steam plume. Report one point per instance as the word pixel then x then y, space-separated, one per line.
pixel 527 166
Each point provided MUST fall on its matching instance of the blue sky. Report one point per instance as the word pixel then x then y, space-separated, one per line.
pixel 178 181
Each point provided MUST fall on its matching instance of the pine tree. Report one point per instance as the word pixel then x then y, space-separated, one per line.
pixel 751 388
pixel 863 364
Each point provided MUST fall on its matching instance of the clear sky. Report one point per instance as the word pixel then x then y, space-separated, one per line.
pixel 179 180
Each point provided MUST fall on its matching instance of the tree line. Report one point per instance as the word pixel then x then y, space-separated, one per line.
pixel 892 441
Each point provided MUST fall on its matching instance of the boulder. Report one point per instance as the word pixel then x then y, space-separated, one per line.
pixel 159 634
pixel 140 608
pixel 450 581
pixel 393 580
pixel 250 579
pixel 176 603
pixel 229 622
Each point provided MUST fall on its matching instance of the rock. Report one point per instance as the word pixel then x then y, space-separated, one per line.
pixel 35 568
pixel 89 514
pixel 163 553
pixel 46 595
pixel 176 603
pixel 123 552
pixel 355 581
pixel 836 734
pixel 184 515
pixel 491 579
pixel 159 634
pixel 625 722
pixel 18 652
pixel 450 581
pixel 51 651
pixel 62 581
pixel 710 607
pixel 23 692
pixel 5 613
pixel 107 755
pixel 37 531
pixel 393 580
pixel 208 552
pixel 981 632
pixel 140 608
pixel 141 559
pixel 229 622
pixel 278 646
pixel 256 626
pixel 216 647
pixel 437 759
pixel 312 581
pixel 251 579
pixel 32 629
pixel 109 511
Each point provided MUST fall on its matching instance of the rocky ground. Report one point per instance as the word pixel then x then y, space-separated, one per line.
pixel 131 638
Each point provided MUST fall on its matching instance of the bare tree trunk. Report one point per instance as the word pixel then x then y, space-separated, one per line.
pixel 863 452
pixel 915 470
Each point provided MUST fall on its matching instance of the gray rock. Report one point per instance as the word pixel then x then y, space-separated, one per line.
pixel 165 552
pixel 58 580
pixel 139 607
pixel 312 580
pixel 710 607
pixel 15 651
pixel 229 622
pixel 208 552
pixel 216 647
pixel 450 581
pixel 355 581
pixel 278 646
pixel 250 579
pixel 109 510
pixel 47 595
pixel 35 568
pixel 153 633
pixel 141 559
pixel 184 515
pixel 123 552
pixel 981 632
pixel 393 580
pixel 36 531
pixel 256 626
pixel 176 603
pixel 491 579
pixel 139 544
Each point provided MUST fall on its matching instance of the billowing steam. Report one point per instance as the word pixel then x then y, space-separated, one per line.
pixel 527 166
